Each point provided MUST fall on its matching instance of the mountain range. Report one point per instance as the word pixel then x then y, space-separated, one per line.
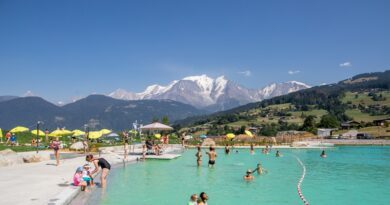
pixel 210 94
pixel 97 111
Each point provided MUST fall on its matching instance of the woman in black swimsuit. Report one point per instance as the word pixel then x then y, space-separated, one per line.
pixel 102 163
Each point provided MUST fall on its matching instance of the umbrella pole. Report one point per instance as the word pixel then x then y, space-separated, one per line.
pixel 36 139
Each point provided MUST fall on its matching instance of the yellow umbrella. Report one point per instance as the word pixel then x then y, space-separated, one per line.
pixel 78 133
pixel 1 133
pixel 67 132
pixel 94 134
pixel 40 133
pixel 19 129
pixel 230 135
pixel 158 136
pixel 105 131
pixel 249 133
pixel 56 133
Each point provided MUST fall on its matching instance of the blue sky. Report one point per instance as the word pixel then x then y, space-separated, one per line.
pixel 60 50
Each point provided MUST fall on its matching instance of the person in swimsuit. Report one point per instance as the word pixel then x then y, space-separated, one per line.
pixel 227 149
pixel 55 145
pixel 102 163
pixel 203 199
pixel 199 157
pixel 193 200
pixel 260 170
pixel 212 155
pixel 252 149
pixel 323 155
pixel 78 179
pixel 278 153
pixel 248 176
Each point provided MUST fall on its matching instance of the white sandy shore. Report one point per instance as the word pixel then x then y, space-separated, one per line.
pixel 45 183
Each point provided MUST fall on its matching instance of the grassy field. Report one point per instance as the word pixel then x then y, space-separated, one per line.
pixel 318 113
pixel 357 115
pixel 364 99
pixel 375 131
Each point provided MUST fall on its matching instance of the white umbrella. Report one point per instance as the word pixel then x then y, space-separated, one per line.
pixel 156 126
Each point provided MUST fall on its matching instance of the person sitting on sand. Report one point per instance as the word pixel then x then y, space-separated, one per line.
pixel 102 163
pixel 248 176
pixel 87 177
pixel 323 155
pixel 199 156
pixel 227 149
pixel 278 153
pixel 78 179
pixel 203 199
pixel 212 155
pixel 193 200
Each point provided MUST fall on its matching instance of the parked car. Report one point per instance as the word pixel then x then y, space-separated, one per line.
pixel 364 136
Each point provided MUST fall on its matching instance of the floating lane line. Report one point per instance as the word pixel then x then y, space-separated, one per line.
pixel 300 194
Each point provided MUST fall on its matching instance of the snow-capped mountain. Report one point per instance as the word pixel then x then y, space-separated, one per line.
pixel 214 94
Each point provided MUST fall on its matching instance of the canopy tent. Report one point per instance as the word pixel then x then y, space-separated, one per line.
pixel 156 126
pixel 40 133
pixel 19 129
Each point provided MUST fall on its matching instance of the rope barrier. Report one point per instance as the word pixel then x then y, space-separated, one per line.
pixel 300 194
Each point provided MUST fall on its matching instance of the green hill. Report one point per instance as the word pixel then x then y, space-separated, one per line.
pixel 362 98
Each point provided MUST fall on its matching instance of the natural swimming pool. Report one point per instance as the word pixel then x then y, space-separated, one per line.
pixel 349 175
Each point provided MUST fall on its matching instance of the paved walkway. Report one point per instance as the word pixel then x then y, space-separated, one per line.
pixel 44 183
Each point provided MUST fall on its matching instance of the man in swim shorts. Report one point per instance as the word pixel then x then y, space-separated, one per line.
pixel 212 155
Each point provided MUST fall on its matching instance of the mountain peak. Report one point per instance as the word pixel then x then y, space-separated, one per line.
pixel 203 91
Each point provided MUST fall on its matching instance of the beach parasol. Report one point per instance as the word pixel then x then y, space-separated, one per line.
pixel 94 134
pixel 18 129
pixel 38 132
pixel 230 136
pixel 249 133
pixel 78 133
pixel 67 132
pixel 156 126
pixel 57 133
pixel 105 131
pixel 1 135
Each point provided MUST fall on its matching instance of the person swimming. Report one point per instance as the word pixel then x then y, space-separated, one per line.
pixel 193 200
pixel 260 170
pixel 252 151
pixel 199 156
pixel 227 149
pixel 278 153
pixel 212 155
pixel 248 176
pixel 203 199
pixel 323 155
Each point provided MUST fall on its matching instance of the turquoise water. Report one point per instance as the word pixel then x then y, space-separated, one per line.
pixel 349 175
